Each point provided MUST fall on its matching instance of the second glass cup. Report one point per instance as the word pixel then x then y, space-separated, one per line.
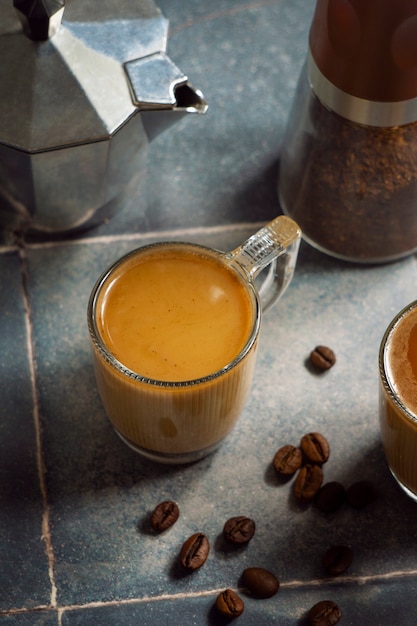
pixel 398 398
pixel 174 330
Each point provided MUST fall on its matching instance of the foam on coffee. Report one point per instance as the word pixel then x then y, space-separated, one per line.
pixel 174 314
pixel 401 360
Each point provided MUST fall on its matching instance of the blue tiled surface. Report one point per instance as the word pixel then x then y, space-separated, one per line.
pixel 75 545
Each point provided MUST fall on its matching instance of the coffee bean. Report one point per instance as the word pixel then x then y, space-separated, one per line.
pixel 287 460
pixel 330 497
pixel 337 559
pixel 322 357
pixel 361 493
pixel 315 447
pixel 325 613
pixel 260 582
pixel 239 529
pixel 194 551
pixel 308 482
pixel 164 515
pixel 229 604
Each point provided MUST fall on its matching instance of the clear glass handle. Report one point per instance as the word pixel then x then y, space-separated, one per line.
pixel 274 247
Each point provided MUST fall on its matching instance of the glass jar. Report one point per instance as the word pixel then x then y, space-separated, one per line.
pixel 348 167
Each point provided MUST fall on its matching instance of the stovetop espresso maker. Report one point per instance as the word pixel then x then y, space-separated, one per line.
pixel 86 86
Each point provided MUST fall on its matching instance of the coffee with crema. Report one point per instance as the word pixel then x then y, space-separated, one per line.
pixel 401 360
pixel 174 331
pixel 173 314
pixel 181 326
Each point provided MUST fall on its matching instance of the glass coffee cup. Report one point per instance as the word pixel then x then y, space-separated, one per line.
pixel 398 397
pixel 174 330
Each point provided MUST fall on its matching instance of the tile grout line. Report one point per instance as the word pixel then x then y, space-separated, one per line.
pixel 46 535
pixel 291 584
pixel 257 4
pixel 137 236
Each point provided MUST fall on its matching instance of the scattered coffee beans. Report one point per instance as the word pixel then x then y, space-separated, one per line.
pixel 324 613
pixel 229 604
pixel 360 494
pixel 164 515
pixel 337 559
pixel 308 482
pixel 239 529
pixel 315 447
pixel 260 582
pixel 194 551
pixel 322 357
pixel 330 497
pixel 287 460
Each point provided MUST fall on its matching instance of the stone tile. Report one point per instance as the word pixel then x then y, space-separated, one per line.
pixel 23 563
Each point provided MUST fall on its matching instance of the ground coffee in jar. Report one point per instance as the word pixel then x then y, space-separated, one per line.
pixel 348 167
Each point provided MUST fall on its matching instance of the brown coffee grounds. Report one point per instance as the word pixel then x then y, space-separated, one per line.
pixel 352 188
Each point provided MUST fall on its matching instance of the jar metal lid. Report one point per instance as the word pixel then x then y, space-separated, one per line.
pixel 359 110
